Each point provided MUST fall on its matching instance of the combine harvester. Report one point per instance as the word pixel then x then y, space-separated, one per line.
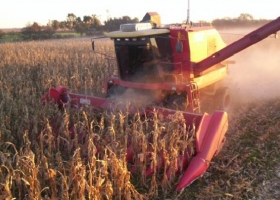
pixel 181 68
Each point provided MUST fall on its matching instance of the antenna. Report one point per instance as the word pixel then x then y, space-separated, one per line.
pixel 108 14
pixel 188 14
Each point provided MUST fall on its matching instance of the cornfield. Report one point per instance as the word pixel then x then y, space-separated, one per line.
pixel 46 153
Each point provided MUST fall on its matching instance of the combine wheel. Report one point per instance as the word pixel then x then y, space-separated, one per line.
pixel 222 100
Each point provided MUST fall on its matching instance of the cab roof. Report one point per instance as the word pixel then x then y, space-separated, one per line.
pixel 139 33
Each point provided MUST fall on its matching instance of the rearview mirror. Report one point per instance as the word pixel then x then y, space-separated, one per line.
pixel 179 47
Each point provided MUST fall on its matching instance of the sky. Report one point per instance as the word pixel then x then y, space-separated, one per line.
pixel 20 13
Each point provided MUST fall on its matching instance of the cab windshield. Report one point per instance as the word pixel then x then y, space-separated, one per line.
pixel 139 58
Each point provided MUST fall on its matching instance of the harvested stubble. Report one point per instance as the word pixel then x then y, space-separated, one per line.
pixel 47 153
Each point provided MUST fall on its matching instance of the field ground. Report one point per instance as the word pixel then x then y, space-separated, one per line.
pixel 248 167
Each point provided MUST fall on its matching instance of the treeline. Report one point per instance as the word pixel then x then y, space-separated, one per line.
pixel 243 20
pixel 91 25
pixel 87 25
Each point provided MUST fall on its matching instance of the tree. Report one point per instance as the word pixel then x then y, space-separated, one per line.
pixel 71 21
pixel 126 19
pixel 31 31
pixel 71 17
pixel 37 32
pixel 47 32
pixel 2 33
pixel 88 25
pixel 114 24
pixel 55 25
pixel 35 27
pixel 96 24
pixel 88 19
pixel 78 20
pixel 63 25
pixel 81 28
pixel 245 17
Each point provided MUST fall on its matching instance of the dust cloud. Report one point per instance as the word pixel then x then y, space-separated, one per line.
pixel 135 99
pixel 255 75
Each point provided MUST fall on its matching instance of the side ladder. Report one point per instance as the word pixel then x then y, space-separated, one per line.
pixel 194 98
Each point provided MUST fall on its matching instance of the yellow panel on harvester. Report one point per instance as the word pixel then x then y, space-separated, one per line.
pixel 203 43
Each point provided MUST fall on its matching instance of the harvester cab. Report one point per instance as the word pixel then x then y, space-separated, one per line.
pixel 159 62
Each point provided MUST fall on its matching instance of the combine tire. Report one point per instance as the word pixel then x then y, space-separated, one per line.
pixel 222 100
